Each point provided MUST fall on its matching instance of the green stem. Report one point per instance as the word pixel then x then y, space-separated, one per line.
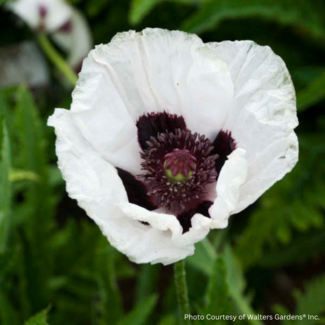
pixel 181 290
pixel 56 58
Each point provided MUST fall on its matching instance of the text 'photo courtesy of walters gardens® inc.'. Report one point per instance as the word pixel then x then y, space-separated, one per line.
pixel 162 162
pixel 252 317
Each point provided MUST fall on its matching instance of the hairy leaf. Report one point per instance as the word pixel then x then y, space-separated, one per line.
pixel 217 298
pixel 141 312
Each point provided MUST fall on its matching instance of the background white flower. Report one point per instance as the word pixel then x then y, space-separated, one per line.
pixel 66 25
pixel 238 87
pixel 47 14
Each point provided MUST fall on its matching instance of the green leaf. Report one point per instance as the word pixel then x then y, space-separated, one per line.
pixel 30 154
pixel 311 302
pixel 295 203
pixel 30 136
pixel 22 175
pixel 303 14
pixel 141 312
pixel 313 94
pixel 8 260
pixel 140 8
pixel 168 320
pixel 2 117
pixel 236 282
pixel 39 319
pixel 2 2
pixel 283 311
pixel 204 257
pixel 205 261
pixel 300 250
pixel 5 186
pixel 217 297
pixel 111 300
pixel 147 281
pixel 8 315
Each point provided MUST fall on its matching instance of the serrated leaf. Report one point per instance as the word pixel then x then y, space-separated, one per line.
pixel 217 297
pixel 140 314
pixel 312 301
pixel 39 319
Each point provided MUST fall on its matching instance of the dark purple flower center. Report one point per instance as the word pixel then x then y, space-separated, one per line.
pixel 177 165
pixel 181 152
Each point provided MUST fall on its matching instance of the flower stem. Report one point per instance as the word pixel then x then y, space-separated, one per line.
pixel 56 58
pixel 181 290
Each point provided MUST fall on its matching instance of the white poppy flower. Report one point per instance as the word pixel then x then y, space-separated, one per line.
pixel 74 38
pixel 129 151
pixel 49 15
pixel 66 25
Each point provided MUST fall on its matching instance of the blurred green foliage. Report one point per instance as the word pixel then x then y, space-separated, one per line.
pixel 55 265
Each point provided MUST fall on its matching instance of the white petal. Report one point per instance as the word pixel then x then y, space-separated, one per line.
pixel 95 184
pixel 154 70
pixel 77 42
pixel 232 176
pixel 101 116
pixel 263 119
pixel 58 12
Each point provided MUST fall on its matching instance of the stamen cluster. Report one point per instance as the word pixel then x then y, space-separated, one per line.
pixel 176 196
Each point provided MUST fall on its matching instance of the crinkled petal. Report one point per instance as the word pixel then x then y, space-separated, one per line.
pixel 95 184
pixel 58 12
pixel 152 71
pixel 232 177
pixel 99 111
pixel 263 119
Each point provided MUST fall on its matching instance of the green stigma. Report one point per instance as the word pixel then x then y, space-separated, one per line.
pixel 178 177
